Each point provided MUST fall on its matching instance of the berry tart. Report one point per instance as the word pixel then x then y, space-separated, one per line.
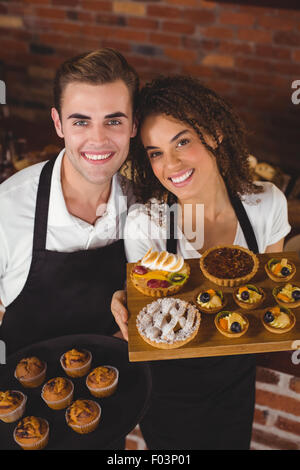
pixel 168 323
pixel 229 265
pixel 287 296
pixel 159 274
pixel 231 324
pixel 278 319
pixel 249 296
pixel 280 270
pixel 210 301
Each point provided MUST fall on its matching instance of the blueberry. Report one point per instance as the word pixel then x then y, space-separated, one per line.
pixel 296 294
pixel 236 327
pixel 285 271
pixel 268 317
pixel 245 295
pixel 205 297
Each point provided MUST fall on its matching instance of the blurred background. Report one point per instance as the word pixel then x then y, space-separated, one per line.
pixel 248 51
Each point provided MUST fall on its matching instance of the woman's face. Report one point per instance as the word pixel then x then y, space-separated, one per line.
pixel 178 158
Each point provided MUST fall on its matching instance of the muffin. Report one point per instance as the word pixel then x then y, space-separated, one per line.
pixel 102 381
pixel 12 405
pixel 278 319
pixel 76 362
pixel 57 393
pixel 249 296
pixel 231 324
pixel 287 296
pixel 159 274
pixel 32 433
pixel 31 372
pixel 280 270
pixel 83 416
pixel 210 301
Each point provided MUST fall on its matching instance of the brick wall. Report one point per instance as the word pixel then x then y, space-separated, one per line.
pixel 249 54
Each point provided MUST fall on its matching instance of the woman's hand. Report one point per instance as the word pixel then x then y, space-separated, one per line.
pixel 119 311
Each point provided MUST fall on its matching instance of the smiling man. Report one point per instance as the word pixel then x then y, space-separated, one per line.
pixel 60 254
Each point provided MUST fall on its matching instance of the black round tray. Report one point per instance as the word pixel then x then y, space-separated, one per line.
pixel 121 412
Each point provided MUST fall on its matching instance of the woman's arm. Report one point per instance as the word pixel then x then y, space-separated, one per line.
pixel 276 247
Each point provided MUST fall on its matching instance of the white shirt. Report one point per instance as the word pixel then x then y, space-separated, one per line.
pixel 65 233
pixel 146 226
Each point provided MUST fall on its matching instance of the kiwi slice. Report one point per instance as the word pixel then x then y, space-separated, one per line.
pixel 177 278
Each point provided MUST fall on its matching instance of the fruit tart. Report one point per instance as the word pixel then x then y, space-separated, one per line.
pixel 229 265
pixel 249 296
pixel 280 270
pixel 159 274
pixel 231 324
pixel 168 323
pixel 287 296
pixel 210 301
pixel 278 319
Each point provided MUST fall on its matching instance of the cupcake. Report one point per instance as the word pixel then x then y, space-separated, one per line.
pixel 76 362
pixel 278 319
pixel 12 405
pixel 249 296
pixel 287 296
pixel 83 416
pixel 57 393
pixel 231 324
pixel 210 301
pixel 31 372
pixel 102 381
pixel 280 270
pixel 32 433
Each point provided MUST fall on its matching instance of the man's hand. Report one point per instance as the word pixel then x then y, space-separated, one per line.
pixel 119 311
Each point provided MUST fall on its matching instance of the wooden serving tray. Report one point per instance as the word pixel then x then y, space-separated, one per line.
pixel 209 342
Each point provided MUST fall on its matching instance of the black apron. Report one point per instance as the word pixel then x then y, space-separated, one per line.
pixel 203 403
pixel 65 293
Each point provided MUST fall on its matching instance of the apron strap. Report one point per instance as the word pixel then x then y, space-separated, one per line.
pixel 241 216
pixel 42 206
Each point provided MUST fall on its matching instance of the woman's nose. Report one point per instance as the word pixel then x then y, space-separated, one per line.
pixel 172 160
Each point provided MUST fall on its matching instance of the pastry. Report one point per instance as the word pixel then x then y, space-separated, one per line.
pixel 76 362
pixel 168 323
pixel 31 372
pixel 83 416
pixel 57 393
pixel 287 296
pixel 159 274
pixel 231 324
pixel 12 405
pixel 210 301
pixel 278 319
pixel 229 265
pixel 280 270
pixel 249 296
pixel 32 433
pixel 103 381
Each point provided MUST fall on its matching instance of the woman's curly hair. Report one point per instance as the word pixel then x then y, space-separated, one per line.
pixel 187 100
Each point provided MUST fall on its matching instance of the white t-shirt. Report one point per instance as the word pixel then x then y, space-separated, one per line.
pixel 146 226
pixel 65 233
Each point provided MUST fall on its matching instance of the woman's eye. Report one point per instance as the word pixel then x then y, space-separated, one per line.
pixel 154 154
pixel 80 123
pixel 183 142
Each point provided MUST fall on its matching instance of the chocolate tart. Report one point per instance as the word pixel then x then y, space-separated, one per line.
pixel 278 330
pixel 285 298
pixel 229 265
pixel 210 308
pixel 279 278
pixel 159 274
pixel 227 332
pixel 248 304
pixel 168 323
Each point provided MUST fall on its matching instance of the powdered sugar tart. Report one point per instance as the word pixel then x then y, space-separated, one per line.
pixel 168 323
pixel 229 265
pixel 159 274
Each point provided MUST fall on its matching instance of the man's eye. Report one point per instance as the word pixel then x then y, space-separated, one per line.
pixel 114 122
pixel 80 123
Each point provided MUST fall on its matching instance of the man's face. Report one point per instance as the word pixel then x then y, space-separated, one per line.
pixel 96 124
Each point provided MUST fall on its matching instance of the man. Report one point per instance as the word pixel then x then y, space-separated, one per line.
pixel 60 256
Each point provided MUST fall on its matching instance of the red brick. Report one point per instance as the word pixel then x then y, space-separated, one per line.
pixel 255 35
pixel 164 39
pixel 296 55
pixel 184 3
pixel 276 23
pixel 236 48
pixel 200 17
pixel 217 32
pixel 295 384
pixel 260 416
pixel 273 441
pixel 178 27
pixel 288 425
pixel 142 23
pixel 130 35
pixel 203 44
pixel 239 19
pixel 267 376
pixel 164 11
pixel 278 402
pixel 287 38
pixel 182 55
pixel 96 5
pixel 50 13
pixel 273 52
pixel 122 46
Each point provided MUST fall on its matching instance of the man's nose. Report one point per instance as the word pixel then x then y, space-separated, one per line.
pixel 98 134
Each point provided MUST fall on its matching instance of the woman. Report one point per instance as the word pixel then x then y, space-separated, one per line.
pixel 191 149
